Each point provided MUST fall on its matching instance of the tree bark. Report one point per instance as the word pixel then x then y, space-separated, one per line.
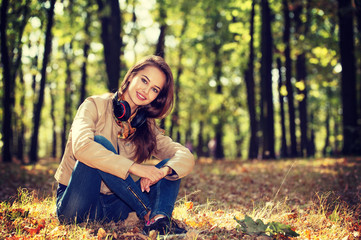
pixel 85 57
pixel 53 119
pixel 33 154
pixel 201 143
pixel 289 87
pixel 21 125
pixel 301 76
pixel 251 102
pixel 8 85
pixel 67 98
pixel 266 83
pixel 161 39
pixel 351 141
pixel 175 116
pixel 112 41
pixel 284 149
pixel 358 17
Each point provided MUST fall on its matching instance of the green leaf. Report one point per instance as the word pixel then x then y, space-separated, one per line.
pixel 276 227
pixel 251 227
pixel 247 225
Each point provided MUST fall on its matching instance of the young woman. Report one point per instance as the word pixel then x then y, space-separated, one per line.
pixel 110 137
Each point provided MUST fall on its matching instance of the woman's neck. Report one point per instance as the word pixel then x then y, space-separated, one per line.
pixel 127 98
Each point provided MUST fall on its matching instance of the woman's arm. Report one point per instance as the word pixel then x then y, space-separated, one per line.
pixel 86 150
pixel 181 159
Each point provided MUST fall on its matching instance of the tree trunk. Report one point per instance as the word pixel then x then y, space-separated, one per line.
pixel 302 92
pixel 351 141
pixel 201 143
pixel 33 154
pixel 52 115
pixel 239 141
pixel 301 76
pixel 219 151
pixel 112 41
pixel 289 87
pixel 251 102
pixel 358 17
pixel 67 98
pixel 8 85
pixel 21 125
pixel 266 83
pixel 284 149
pixel 175 116
pixel 161 39
pixel 85 56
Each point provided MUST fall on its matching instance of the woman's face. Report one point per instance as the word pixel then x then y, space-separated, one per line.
pixel 144 87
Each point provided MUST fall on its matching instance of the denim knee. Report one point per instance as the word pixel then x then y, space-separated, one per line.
pixel 162 163
pixel 105 143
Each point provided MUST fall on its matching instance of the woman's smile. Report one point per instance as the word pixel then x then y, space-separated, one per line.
pixel 141 96
pixel 144 87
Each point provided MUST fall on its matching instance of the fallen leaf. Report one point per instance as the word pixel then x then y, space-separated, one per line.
pixel 101 233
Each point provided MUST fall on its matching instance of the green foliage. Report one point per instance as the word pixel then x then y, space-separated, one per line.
pixel 251 227
pixel 194 31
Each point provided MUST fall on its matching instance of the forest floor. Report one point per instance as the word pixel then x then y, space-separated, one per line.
pixel 315 198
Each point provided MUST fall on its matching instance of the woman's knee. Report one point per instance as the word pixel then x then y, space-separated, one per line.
pixel 162 163
pixel 104 142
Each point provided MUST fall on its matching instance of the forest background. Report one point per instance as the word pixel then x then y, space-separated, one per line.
pixel 254 79
pixel 266 79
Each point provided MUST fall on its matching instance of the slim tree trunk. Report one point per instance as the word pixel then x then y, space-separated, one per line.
pixel 301 76
pixel 175 116
pixel 67 98
pixel 53 119
pixel 85 56
pixel 161 39
pixel 8 86
pixel 21 125
pixel 351 141
pixel 33 154
pixel 266 83
pixel 358 17
pixel 201 143
pixel 112 40
pixel 251 102
pixel 284 149
pixel 326 147
pixel 289 87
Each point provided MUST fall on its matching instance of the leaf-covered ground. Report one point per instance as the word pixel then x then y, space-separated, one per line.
pixel 317 199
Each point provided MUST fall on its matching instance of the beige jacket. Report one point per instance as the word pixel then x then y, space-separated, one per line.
pixel 95 117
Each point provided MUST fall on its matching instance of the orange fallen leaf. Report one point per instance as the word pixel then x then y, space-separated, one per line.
pixel 101 233
pixel 189 205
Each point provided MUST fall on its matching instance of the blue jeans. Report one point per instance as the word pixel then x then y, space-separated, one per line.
pixel 82 201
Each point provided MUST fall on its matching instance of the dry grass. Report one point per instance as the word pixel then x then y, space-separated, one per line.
pixel 318 198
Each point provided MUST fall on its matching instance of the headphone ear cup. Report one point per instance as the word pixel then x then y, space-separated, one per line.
pixel 121 109
pixel 139 119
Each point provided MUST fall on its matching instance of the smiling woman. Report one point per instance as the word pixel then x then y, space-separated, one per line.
pixel 110 137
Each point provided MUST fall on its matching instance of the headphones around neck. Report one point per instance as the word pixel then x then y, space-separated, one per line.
pixel 122 112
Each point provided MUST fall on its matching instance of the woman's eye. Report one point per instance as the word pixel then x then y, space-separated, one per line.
pixel 155 90
pixel 144 81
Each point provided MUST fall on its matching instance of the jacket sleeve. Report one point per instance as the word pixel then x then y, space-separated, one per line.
pixel 181 159
pixel 89 152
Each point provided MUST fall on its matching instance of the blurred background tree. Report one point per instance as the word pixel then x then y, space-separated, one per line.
pixel 253 79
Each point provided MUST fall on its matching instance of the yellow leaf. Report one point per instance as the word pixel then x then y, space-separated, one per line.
pixel 189 205
pixel 101 233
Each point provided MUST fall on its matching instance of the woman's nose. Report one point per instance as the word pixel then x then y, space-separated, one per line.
pixel 146 89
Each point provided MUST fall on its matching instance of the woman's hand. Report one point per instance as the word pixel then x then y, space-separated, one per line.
pixel 147 180
pixel 145 171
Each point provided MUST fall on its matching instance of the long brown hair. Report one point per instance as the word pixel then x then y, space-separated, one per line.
pixel 144 137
